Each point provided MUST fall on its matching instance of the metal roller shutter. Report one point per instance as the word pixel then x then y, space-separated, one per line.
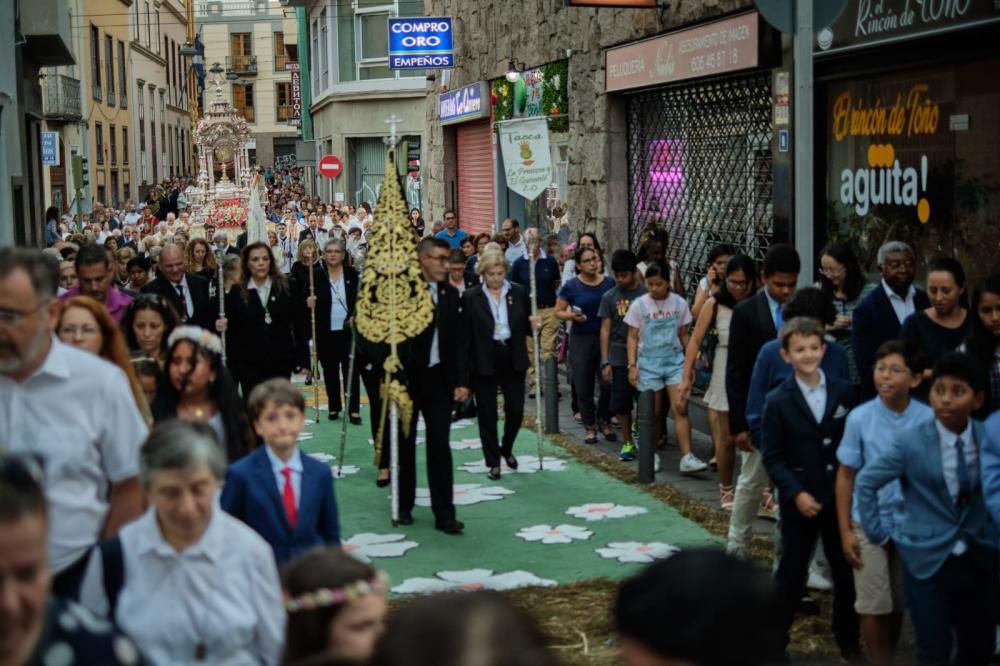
pixel 475 178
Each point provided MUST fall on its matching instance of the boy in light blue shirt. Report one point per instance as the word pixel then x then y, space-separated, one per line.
pixel 870 428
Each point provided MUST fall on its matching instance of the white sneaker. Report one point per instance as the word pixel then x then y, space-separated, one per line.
pixel 691 464
pixel 818 581
pixel 656 463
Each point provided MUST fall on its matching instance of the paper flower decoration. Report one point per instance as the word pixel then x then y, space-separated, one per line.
pixel 551 535
pixel 323 457
pixel 367 545
pixel 467 493
pixel 339 472
pixel 604 511
pixel 526 465
pixel 464 444
pixel 473 579
pixel 633 551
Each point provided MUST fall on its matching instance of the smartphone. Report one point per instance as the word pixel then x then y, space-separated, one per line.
pixel 576 309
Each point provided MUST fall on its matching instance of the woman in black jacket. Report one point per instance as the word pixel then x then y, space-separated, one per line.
pixel 497 318
pixel 336 296
pixel 260 321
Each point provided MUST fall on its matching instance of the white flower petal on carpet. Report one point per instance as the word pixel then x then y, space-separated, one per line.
pixel 461 423
pixel 367 545
pixel 526 465
pixel 303 436
pixel 634 551
pixel 371 442
pixel 470 580
pixel 604 511
pixel 464 444
pixel 339 472
pixel 323 457
pixel 467 493
pixel 551 535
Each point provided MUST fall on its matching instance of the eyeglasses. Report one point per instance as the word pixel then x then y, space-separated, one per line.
pixel 737 284
pixel 832 272
pixel 12 317
pixel 892 369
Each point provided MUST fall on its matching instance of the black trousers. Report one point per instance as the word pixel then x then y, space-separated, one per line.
pixel 955 607
pixel 334 352
pixel 434 400
pixel 371 375
pixel 798 538
pixel 511 384
pixel 585 363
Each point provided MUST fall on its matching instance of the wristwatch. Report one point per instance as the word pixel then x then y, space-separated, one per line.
pixel 605 363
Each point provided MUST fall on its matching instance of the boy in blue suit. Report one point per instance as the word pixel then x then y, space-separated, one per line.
pixel 802 425
pixel 944 536
pixel 285 496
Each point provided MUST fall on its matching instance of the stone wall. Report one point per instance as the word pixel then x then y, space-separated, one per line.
pixel 537 32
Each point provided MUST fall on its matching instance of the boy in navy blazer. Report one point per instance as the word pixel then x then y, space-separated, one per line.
pixel 945 537
pixel 285 496
pixel 802 424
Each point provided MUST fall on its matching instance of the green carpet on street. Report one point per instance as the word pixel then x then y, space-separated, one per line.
pixel 565 523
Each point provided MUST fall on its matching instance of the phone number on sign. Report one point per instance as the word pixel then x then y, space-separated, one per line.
pixel 714 60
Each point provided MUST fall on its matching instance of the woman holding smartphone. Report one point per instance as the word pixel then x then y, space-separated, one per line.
pixel 718 257
pixel 579 301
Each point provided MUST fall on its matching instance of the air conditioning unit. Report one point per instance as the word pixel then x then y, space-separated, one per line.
pixel 214 8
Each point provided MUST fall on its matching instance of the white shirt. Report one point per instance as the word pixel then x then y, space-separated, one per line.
pixel 516 250
pixel 903 307
pixel 188 303
pixel 501 323
pixel 949 465
pixel 78 413
pixel 338 303
pixel 435 358
pixel 815 396
pixel 295 464
pixel 285 245
pixel 222 593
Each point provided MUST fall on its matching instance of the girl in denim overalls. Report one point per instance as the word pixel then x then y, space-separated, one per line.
pixel 658 334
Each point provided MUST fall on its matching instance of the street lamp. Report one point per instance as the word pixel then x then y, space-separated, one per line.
pixel 514 69
pixel 216 68
pixel 188 50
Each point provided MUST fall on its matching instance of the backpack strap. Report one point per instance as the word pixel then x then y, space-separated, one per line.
pixel 113 569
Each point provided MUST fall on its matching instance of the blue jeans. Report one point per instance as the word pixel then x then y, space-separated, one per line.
pixel 954 606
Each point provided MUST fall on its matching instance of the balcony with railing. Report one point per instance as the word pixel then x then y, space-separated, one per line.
pixel 284 112
pixel 123 99
pixel 246 112
pixel 280 60
pixel 242 64
pixel 112 98
pixel 62 98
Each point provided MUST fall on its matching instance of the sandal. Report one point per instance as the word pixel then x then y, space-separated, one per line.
pixel 591 437
pixel 609 433
pixel 768 508
pixel 578 417
pixel 727 497
pixel 493 474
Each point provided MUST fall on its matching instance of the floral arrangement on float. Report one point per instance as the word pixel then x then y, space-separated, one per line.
pixel 228 214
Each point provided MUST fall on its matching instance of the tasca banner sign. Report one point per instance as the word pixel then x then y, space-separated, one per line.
pixel 888 138
pixel 525 148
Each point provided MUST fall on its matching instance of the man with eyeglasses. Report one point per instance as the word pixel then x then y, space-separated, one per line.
pixel 34 626
pixel 879 316
pixel 516 248
pixel 451 233
pixel 71 408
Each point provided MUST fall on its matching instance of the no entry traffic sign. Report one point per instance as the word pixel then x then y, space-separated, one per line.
pixel 330 166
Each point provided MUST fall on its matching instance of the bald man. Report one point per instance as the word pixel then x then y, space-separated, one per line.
pixel 189 293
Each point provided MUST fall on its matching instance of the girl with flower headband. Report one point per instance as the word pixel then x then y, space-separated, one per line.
pixel 336 609
pixel 195 386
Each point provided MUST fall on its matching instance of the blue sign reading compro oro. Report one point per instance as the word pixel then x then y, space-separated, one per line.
pixel 420 42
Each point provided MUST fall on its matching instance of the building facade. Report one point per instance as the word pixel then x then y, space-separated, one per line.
pixel 39 35
pixel 160 146
pixel 252 40
pixel 355 94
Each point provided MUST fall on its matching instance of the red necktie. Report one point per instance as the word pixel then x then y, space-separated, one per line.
pixel 288 497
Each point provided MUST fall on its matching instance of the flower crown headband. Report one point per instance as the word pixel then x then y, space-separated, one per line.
pixel 326 597
pixel 198 336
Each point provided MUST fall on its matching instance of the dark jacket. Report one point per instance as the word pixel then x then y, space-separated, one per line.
pixel 799 453
pixel 250 338
pixel 752 326
pixel 206 309
pixel 478 329
pixel 873 322
pixel 251 494
pixel 324 295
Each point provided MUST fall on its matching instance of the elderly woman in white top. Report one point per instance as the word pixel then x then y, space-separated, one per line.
pixel 186 581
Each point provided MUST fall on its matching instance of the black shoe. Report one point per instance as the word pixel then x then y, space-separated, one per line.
pixel 511 462
pixel 808 606
pixel 405 518
pixel 450 526
pixel 333 416
pixel 355 420
pixel 494 474
pixel 382 483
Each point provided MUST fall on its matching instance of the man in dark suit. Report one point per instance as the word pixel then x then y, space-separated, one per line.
pixel 313 231
pixel 189 293
pixel 879 316
pixel 755 322
pixel 802 425
pixel 436 366
pixel 221 242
